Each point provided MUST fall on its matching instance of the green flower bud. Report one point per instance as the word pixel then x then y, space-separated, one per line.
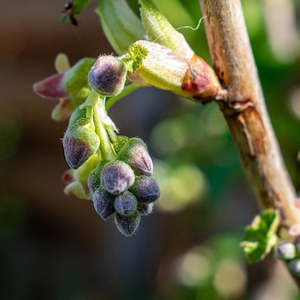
pixel 146 189
pixel 159 29
pixel 117 177
pixel 108 75
pixel 77 190
pixel 80 140
pixel 120 142
pixel 103 203
pixel 119 23
pixel 127 225
pixel 62 110
pixel 135 153
pixel 285 251
pixel 294 267
pixel 125 204
pixel 94 180
pixel 145 209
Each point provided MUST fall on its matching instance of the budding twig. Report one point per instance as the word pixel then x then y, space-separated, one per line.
pixel 245 110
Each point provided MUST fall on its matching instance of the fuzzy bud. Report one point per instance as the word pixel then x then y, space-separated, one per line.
pixel 145 209
pixel 146 189
pixel 125 204
pixel 135 153
pixel 108 75
pixel 286 251
pixel 94 179
pixel 77 190
pixel 294 267
pixel 80 140
pixel 117 177
pixel 127 225
pixel 103 203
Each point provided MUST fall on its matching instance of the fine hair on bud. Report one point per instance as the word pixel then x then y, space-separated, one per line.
pixel 108 75
pixel 286 250
pixel 127 225
pixel 125 204
pixel 79 146
pixel 103 203
pixel 145 209
pixel 94 179
pixel 117 177
pixel 294 267
pixel 135 153
pixel 80 140
pixel 145 189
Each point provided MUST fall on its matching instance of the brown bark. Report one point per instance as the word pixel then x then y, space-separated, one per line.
pixel 244 109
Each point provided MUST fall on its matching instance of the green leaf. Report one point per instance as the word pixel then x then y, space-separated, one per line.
pixel 119 23
pixel 78 6
pixel 261 236
pixel 135 57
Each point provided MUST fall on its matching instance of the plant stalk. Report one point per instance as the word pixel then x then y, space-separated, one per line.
pixel 245 111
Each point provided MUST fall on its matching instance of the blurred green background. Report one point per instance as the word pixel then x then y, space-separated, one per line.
pixel 56 247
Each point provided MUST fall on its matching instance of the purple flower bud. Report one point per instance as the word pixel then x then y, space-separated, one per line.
pixel 103 203
pixel 145 209
pixel 77 151
pixel 135 153
pixel 127 225
pixel 80 140
pixel 286 250
pixel 52 87
pixel 117 177
pixel 108 75
pixel 145 189
pixel 125 204
pixel 294 267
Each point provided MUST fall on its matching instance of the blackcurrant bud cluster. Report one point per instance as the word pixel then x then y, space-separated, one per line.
pixel 124 186
pixel 290 253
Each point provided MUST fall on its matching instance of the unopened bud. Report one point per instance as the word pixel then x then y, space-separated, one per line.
pixel 77 190
pixel 286 251
pixel 294 267
pixel 117 177
pixel 145 209
pixel 103 203
pixel 135 153
pixel 108 75
pixel 127 225
pixel 165 69
pixel 120 142
pixel 80 140
pixel 62 110
pixel 145 189
pixel 94 180
pixel 125 204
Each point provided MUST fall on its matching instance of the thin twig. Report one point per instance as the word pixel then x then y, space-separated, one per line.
pixel 244 109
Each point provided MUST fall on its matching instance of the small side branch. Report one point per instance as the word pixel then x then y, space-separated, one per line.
pixel 244 109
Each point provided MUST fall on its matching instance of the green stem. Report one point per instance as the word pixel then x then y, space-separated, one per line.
pixel 126 91
pixel 105 145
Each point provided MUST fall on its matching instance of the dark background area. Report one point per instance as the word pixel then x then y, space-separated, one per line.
pixel 56 247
